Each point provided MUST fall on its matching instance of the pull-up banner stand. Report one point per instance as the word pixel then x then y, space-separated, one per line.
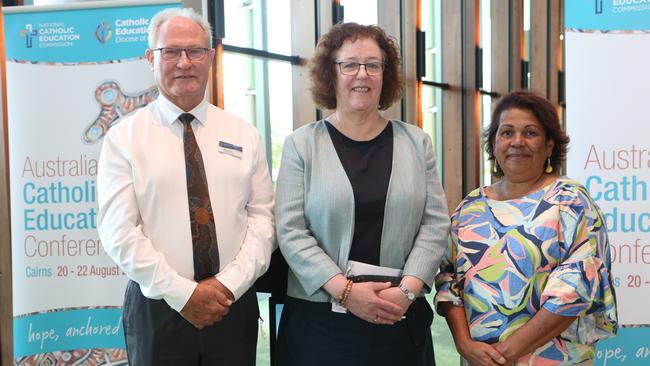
pixel 73 71
pixel 608 119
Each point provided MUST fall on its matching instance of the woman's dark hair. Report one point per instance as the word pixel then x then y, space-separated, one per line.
pixel 545 113
pixel 323 69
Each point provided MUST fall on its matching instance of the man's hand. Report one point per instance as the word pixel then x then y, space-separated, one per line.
pixel 209 303
pixel 213 281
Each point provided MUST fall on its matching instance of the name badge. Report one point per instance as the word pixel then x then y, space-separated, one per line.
pixel 230 149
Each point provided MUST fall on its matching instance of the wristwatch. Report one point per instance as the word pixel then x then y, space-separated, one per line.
pixel 410 295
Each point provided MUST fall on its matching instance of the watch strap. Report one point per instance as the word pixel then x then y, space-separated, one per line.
pixel 410 295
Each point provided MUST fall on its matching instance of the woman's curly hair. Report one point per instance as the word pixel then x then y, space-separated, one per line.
pixel 323 68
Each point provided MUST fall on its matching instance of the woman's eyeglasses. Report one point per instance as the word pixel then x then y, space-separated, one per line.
pixel 352 68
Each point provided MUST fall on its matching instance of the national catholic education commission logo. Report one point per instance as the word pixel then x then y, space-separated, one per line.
pixel 599 7
pixel 29 35
pixel 103 32
pixel 55 34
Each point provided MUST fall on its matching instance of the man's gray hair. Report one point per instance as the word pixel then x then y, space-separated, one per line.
pixel 164 15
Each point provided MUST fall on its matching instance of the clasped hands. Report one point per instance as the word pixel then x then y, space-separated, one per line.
pixel 209 303
pixel 377 302
pixel 483 354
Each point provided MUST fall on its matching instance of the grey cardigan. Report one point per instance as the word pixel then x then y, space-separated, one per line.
pixel 315 210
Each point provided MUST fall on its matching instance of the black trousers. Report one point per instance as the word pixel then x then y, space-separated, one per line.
pixel 158 335
pixel 311 334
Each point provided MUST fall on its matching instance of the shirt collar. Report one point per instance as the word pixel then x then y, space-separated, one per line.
pixel 169 112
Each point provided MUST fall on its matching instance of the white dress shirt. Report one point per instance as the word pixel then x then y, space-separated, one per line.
pixel 144 221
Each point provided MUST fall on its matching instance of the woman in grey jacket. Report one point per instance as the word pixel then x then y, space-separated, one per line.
pixel 358 187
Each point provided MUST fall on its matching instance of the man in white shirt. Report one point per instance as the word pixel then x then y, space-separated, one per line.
pixel 171 318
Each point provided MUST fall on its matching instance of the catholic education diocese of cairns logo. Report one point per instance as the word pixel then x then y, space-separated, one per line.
pixel 103 32
pixel 29 33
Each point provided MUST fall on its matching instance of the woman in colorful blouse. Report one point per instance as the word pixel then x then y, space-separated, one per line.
pixel 527 278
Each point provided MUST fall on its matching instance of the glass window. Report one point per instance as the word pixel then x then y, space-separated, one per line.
pixel 431 25
pixel 486 68
pixel 526 50
pixel 238 23
pixel 360 11
pixel 431 104
pixel 239 85
pixel 278 28
pixel 259 91
pixel 263 335
pixel 280 110
pixel 255 24
pixel 562 76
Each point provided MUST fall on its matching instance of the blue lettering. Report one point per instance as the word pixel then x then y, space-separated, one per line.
pixel 29 199
pixel 595 195
pixel 611 191
pixel 625 189
pixel 644 225
pixel 29 220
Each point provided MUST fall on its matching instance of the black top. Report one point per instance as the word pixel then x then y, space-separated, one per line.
pixel 368 165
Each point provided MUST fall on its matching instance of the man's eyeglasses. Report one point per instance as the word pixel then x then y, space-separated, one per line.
pixel 174 54
pixel 352 68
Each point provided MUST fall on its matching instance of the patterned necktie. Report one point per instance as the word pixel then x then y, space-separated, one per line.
pixel 204 233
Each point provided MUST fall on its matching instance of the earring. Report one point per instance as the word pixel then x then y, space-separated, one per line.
pixel 549 167
pixel 495 167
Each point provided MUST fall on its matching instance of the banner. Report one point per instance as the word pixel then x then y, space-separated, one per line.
pixel 608 120
pixel 72 72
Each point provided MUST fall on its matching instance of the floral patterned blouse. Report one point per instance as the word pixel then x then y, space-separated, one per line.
pixel 508 259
